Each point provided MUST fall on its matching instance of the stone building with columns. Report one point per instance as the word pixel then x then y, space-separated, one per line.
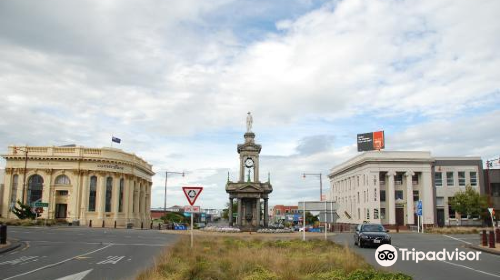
pixel 81 184
pixel 384 187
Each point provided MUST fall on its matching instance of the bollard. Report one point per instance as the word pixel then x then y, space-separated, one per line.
pixel 3 234
pixel 492 239
pixel 484 238
pixel 498 235
pixel 397 228
pixel 341 227
pixel 115 224
pixel 102 223
pixel 142 225
pixel 159 226
pixel 151 226
pixel 90 223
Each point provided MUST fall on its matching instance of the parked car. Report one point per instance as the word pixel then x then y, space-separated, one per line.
pixel 371 235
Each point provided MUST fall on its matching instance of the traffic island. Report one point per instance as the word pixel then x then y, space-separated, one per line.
pixel 9 246
pixel 256 258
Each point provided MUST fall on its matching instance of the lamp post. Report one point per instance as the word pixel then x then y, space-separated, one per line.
pixel 165 198
pixel 320 183
pixel 25 151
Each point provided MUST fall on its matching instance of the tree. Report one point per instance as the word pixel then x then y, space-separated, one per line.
pixel 23 212
pixel 225 212
pixel 310 218
pixel 174 218
pixel 469 202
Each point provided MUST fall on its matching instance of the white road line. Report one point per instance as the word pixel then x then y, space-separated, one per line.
pixel 58 263
pixel 457 239
pixel 473 269
pixel 98 243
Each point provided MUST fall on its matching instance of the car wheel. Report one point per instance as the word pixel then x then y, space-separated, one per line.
pixel 360 244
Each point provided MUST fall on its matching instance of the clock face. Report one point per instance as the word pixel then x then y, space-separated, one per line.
pixel 248 162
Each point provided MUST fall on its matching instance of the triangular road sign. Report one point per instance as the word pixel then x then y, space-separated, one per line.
pixel 192 193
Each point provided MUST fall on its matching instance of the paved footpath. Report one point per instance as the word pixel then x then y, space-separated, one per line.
pixel 488 267
pixel 81 253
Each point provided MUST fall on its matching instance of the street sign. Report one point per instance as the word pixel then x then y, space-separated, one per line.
pixel 419 208
pixel 41 204
pixel 235 215
pixel 191 209
pixel 192 193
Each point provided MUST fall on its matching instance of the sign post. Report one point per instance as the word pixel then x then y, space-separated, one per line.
pixel 419 214
pixel 192 194
pixel 492 214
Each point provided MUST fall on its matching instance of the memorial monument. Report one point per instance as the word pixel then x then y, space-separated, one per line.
pixel 248 191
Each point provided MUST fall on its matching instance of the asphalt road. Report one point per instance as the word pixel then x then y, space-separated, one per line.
pixel 81 253
pixel 488 266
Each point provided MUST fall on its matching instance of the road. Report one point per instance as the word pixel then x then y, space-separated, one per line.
pixel 488 267
pixel 81 253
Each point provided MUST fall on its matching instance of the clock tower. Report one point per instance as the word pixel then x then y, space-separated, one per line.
pixel 249 192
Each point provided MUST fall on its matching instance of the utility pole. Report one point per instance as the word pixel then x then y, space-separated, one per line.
pixel 165 197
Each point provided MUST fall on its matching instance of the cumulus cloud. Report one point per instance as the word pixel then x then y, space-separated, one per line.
pixel 177 78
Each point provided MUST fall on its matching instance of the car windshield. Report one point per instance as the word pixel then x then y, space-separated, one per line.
pixel 373 228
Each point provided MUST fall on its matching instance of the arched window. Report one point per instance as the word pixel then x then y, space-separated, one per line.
pixel 35 188
pixel 63 180
pixel 92 193
pixel 13 195
pixel 109 192
pixel 120 198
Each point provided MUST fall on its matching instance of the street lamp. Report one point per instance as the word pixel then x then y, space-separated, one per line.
pixel 165 198
pixel 320 183
pixel 25 151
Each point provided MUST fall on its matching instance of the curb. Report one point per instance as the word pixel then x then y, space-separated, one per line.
pixel 486 250
pixel 14 245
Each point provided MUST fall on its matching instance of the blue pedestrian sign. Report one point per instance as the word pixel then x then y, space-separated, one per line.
pixel 419 208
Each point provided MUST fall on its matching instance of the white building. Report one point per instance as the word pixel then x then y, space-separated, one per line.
pixel 383 187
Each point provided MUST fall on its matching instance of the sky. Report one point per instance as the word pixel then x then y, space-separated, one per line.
pixel 175 79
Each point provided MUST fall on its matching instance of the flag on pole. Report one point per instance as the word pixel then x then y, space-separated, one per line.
pixel 115 139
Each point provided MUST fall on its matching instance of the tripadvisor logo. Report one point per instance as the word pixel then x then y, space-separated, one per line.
pixel 387 255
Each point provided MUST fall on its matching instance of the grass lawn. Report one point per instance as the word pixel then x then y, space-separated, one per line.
pixel 233 258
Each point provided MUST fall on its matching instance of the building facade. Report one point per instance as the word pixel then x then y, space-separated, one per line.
pixel 384 187
pixel 102 186
pixel 492 178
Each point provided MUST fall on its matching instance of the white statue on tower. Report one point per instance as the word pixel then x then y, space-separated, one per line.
pixel 249 122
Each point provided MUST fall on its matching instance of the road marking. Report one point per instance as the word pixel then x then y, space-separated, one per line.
pixel 457 239
pixel 473 269
pixel 76 276
pixel 111 260
pixel 58 263
pixel 100 243
pixel 19 260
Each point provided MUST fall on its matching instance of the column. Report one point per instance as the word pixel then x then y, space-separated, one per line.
pixel 238 223
pixel 391 201
pixel 115 197
pixel 409 198
pixel 230 212
pixel 143 201
pixel 257 207
pixel 75 195
pixel 7 193
pixel 136 200
pixel 84 198
pixel 101 196
pixel 148 201
pixel 266 212
pixel 427 197
pixel 126 196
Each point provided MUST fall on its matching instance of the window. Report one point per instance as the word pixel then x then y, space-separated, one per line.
pixel 382 213
pixel 438 179
pixel 398 195
pixel 382 195
pixel 461 178
pixel 381 178
pixel 375 213
pixel 62 180
pixel 367 214
pixel 449 179
pixel 414 179
pixel 375 195
pixel 109 193
pixel 398 179
pixel 359 214
pixel 495 189
pixel 439 201
pixel 13 196
pixel 473 179
pixel 92 193
pixel 120 198
pixel 278 212
pixel 63 193
pixel 35 188
pixel 286 211
pixel 451 211
pixel 416 196
pixel 358 197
